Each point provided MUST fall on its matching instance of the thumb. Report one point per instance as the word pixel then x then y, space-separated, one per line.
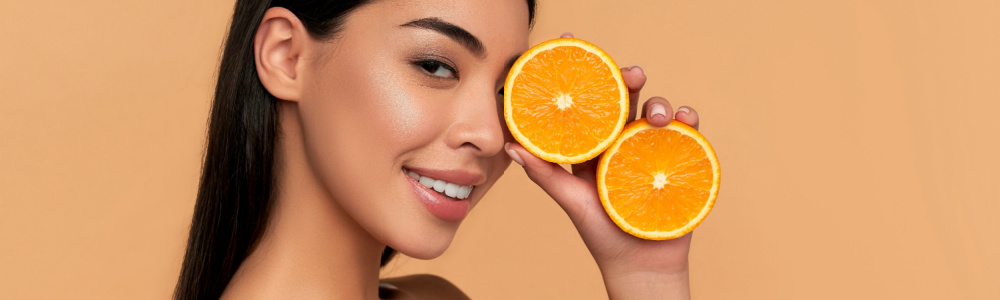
pixel 572 193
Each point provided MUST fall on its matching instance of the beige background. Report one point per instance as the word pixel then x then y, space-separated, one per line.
pixel 858 140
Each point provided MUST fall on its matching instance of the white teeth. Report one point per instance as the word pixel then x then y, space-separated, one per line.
pixel 427 181
pixel 451 190
pixel 441 186
pixel 463 192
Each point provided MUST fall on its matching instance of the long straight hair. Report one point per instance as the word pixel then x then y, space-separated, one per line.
pixel 237 185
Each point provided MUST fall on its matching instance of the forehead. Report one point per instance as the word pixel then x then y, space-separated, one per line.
pixel 501 25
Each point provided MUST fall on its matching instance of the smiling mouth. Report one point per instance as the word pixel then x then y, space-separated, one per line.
pixel 450 190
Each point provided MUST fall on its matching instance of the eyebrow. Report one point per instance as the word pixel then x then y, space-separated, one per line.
pixel 454 32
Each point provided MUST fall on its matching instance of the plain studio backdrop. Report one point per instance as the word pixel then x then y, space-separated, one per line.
pixel 858 140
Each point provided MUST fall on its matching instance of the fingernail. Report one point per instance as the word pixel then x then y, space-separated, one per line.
pixel 657 110
pixel 636 67
pixel 387 290
pixel 513 155
pixel 684 109
pixel 388 286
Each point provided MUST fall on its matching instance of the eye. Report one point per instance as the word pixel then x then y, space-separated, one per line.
pixel 437 68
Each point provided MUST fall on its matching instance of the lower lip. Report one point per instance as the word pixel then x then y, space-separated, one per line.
pixel 439 205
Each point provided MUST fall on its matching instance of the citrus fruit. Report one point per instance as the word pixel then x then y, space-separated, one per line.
pixel 565 100
pixel 658 183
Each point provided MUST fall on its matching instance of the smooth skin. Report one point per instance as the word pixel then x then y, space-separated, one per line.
pixel 385 95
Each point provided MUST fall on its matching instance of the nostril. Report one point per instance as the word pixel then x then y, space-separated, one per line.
pixel 470 144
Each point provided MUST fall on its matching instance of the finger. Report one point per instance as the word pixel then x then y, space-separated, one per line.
pixel 566 35
pixel 687 115
pixel 635 79
pixel 657 111
pixel 586 170
pixel 570 192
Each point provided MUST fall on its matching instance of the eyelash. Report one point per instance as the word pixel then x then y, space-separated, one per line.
pixel 425 63
pixel 430 65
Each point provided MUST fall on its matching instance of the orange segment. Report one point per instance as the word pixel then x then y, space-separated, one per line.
pixel 565 100
pixel 658 183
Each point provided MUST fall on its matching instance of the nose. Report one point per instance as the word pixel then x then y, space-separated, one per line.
pixel 477 125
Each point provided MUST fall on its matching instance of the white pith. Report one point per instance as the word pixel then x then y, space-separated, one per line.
pixel 660 180
pixel 563 101
pixel 446 188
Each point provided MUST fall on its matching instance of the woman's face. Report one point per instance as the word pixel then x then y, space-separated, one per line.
pixel 406 95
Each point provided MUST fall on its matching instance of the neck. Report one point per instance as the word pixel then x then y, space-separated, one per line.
pixel 311 248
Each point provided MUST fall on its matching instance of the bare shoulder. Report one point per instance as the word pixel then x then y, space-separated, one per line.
pixel 419 286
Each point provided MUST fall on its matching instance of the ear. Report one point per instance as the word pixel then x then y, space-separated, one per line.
pixel 278 47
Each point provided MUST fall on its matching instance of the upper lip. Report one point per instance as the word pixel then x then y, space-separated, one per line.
pixel 456 176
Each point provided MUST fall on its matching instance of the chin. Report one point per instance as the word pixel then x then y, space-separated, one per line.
pixel 423 246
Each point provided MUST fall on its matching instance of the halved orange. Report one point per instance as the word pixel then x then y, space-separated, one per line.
pixel 565 100
pixel 658 183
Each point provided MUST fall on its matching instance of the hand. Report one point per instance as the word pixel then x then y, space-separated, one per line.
pixel 631 267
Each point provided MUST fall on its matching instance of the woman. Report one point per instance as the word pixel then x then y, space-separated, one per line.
pixel 327 117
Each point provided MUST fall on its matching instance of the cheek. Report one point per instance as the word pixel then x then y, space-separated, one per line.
pixel 344 136
pixel 398 114
pixel 370 113
pixel 498 165
pixel 358 128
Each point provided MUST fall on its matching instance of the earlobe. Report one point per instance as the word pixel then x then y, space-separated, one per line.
pixel 278 47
